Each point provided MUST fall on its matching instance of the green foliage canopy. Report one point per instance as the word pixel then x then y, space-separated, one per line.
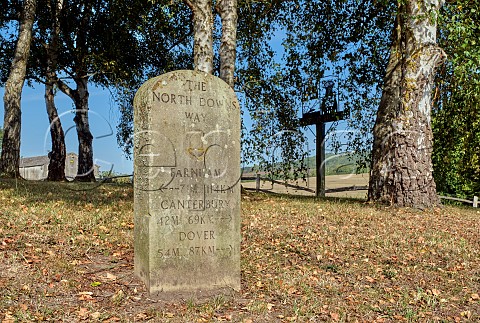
pixel 456 118
pixel 165 36
pixel 347 41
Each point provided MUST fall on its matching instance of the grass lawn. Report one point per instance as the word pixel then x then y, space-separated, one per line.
pixel 67 255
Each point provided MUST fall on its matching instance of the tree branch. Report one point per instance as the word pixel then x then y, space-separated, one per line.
pixel 64 88
pixel 69 73
pixel 179 41
pixel 191 4
pixel 38 80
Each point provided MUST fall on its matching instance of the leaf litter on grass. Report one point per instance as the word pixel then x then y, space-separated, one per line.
pixel 68 255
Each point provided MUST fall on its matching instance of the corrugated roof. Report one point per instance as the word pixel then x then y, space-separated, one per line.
pixel 34 161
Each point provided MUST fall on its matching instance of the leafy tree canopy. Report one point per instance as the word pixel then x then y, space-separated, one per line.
pixel 456 119
pixel 346 41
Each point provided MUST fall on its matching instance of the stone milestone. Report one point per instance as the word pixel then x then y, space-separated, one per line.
pixel 187 185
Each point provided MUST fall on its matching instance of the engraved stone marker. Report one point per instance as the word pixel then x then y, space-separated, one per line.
pixel 187 191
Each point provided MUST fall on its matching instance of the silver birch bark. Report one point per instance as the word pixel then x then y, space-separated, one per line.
pixel 227 9
pixel 80 95
pixel 85 172
pixel 56 167
pixel 10 156
pixel 402 173
pixel 203 34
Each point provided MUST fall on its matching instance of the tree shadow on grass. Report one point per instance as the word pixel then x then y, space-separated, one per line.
pixel 306 198
pixel 74 193
pixel 101 193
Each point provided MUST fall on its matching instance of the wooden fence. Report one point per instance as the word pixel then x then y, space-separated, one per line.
pixel 474 203
pixel 258 180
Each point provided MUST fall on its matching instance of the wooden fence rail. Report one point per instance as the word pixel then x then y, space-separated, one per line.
pixel 474 203
pixel 258 180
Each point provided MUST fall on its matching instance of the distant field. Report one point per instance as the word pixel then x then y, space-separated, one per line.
pixel 333 181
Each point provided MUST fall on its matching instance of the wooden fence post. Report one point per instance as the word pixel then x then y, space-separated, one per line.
pixel 257 181
pixel 475 201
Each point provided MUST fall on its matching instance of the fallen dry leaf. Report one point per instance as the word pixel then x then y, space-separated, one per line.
pixel 95 315
pixel 85 296
pixel 9 318
pixel 335 316
pixel 435 292
pixel 82 312
pixel 370 279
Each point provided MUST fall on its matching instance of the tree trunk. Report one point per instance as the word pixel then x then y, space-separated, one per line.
pixel 401 172
pixel 10 156
pixel 56 167
pixel 227 10
pixel 203 34
pixel 85 171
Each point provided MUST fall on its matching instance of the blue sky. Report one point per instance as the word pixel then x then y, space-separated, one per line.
pixel 35 136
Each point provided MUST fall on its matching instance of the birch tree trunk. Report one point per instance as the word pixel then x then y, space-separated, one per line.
pixel 10 156
pixel 227 9
pixel 56 167
pixel 85 171
pixel 401 172
pixel 203 34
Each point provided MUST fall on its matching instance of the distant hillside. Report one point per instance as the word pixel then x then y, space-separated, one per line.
pixel 335 165
pixel 338 164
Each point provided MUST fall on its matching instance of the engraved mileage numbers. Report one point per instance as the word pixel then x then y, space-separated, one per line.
pixel 202 251
pixel 195 242
pixel 176 220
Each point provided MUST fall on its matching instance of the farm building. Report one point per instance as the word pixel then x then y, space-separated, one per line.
pixel 36 168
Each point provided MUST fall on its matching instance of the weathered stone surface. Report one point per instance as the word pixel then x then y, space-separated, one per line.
pixel 187 191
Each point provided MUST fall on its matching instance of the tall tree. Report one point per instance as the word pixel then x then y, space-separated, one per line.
pixel 109 43
pixel 56 166
pixel 402 172
pixel 167 45
pixel 98 44
pixel 346 41
pixel 77 43
pixel 10 156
